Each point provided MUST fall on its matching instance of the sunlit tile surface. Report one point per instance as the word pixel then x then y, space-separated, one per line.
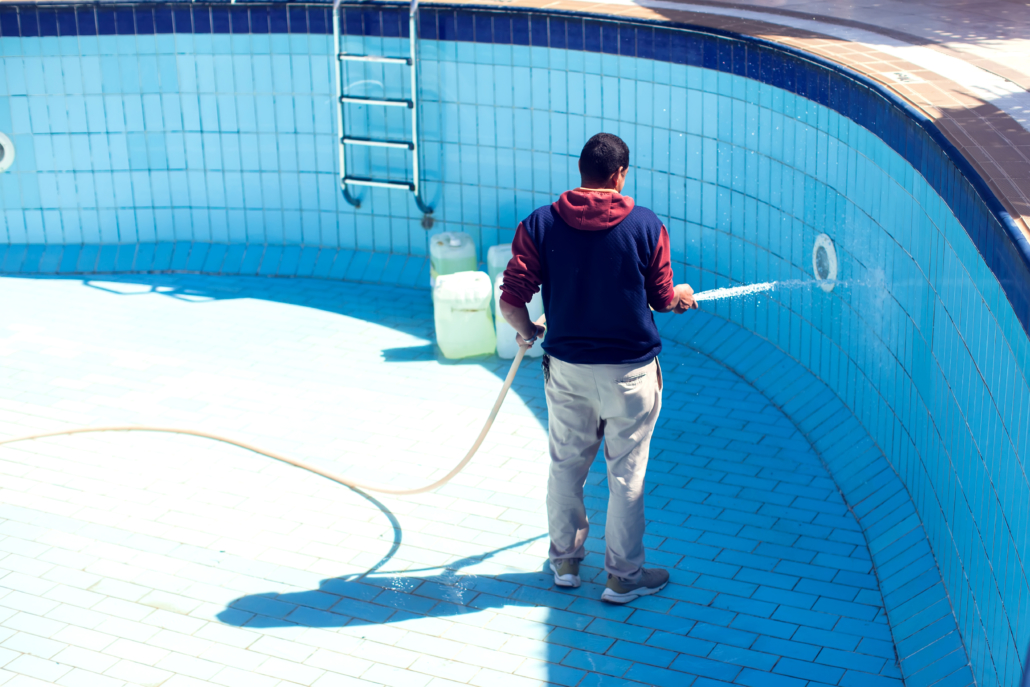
pixel 148 558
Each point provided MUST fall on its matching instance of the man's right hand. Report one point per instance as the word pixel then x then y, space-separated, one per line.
pixel 684 299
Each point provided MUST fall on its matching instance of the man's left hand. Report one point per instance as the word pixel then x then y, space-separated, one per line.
pixel 539 331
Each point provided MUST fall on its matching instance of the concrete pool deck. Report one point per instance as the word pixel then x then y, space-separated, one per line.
pixel 163 560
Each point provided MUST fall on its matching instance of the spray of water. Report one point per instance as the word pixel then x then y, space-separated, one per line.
pixel 752 289
pixel 735 292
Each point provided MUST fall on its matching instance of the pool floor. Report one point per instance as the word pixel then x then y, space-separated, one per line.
pixel 152 559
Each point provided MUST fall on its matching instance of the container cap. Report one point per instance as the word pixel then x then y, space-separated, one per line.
pixel 454 239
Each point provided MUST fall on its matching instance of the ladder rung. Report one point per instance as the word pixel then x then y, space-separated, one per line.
pixel 378 144
pixel 374 58
pixel 376 101
pixel 360 181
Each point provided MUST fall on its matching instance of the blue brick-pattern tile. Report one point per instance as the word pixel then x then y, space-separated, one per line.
pixel 400 590
pixel 922 622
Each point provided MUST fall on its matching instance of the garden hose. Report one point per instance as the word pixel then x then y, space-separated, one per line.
pixel 300 463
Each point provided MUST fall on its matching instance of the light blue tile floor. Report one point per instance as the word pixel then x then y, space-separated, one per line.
pixel 165 560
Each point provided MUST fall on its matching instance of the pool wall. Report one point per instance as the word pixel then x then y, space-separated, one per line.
pixel 201 138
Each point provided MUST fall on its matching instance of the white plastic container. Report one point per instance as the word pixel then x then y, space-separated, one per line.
pixel 506 346
pixel 461 309
pixel 497 258
pixel 450 252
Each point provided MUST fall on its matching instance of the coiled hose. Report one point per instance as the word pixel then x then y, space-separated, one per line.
pixel 300 463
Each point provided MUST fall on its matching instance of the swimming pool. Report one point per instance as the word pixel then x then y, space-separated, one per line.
pixel 201 138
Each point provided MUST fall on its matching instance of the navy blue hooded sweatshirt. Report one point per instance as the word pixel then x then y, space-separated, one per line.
pixel 600 261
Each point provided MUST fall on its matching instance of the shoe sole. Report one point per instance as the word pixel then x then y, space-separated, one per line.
pixel 614 597
pixel 569 580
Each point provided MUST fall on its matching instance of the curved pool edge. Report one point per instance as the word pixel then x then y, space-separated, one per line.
pixel 919 609
pixel 395 268
pixel 1020 240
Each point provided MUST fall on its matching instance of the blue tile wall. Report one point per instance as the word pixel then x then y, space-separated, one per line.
pixel 202 138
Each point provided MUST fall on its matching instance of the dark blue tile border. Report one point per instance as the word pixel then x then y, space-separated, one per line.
pixel 907 131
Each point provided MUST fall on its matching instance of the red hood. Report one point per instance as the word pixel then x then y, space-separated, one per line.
pixel 593 210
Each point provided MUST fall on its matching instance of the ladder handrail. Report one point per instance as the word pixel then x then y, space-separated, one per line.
pixel 413 63
pixel 337 71
pixel 413 43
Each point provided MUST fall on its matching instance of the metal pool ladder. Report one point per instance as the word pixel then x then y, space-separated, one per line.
pixel 411 60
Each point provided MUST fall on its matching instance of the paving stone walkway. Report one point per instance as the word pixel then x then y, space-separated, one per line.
pixel 148 559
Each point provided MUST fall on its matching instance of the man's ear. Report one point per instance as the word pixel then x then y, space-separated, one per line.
pixel 618 176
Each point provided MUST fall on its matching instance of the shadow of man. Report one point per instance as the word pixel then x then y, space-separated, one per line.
pixel 541 621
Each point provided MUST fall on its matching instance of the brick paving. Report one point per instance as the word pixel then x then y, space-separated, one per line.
pixel 146 559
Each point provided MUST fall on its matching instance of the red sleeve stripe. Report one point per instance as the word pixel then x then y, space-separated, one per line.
pixel 522 277
pixel 658 281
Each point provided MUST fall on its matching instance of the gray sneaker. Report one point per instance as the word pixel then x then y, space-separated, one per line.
pixel 566 573
pixel 618 591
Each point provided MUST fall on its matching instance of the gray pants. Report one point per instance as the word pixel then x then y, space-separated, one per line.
pixel 587 403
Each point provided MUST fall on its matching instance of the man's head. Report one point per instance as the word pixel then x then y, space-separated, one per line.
pixel 604 162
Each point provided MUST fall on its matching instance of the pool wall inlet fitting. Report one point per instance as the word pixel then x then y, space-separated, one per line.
pixel 824 262
pixel 6 153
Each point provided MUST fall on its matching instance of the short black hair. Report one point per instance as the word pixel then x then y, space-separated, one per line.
pixel 602 156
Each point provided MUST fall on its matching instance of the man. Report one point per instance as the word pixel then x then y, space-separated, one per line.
pixel 601 261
